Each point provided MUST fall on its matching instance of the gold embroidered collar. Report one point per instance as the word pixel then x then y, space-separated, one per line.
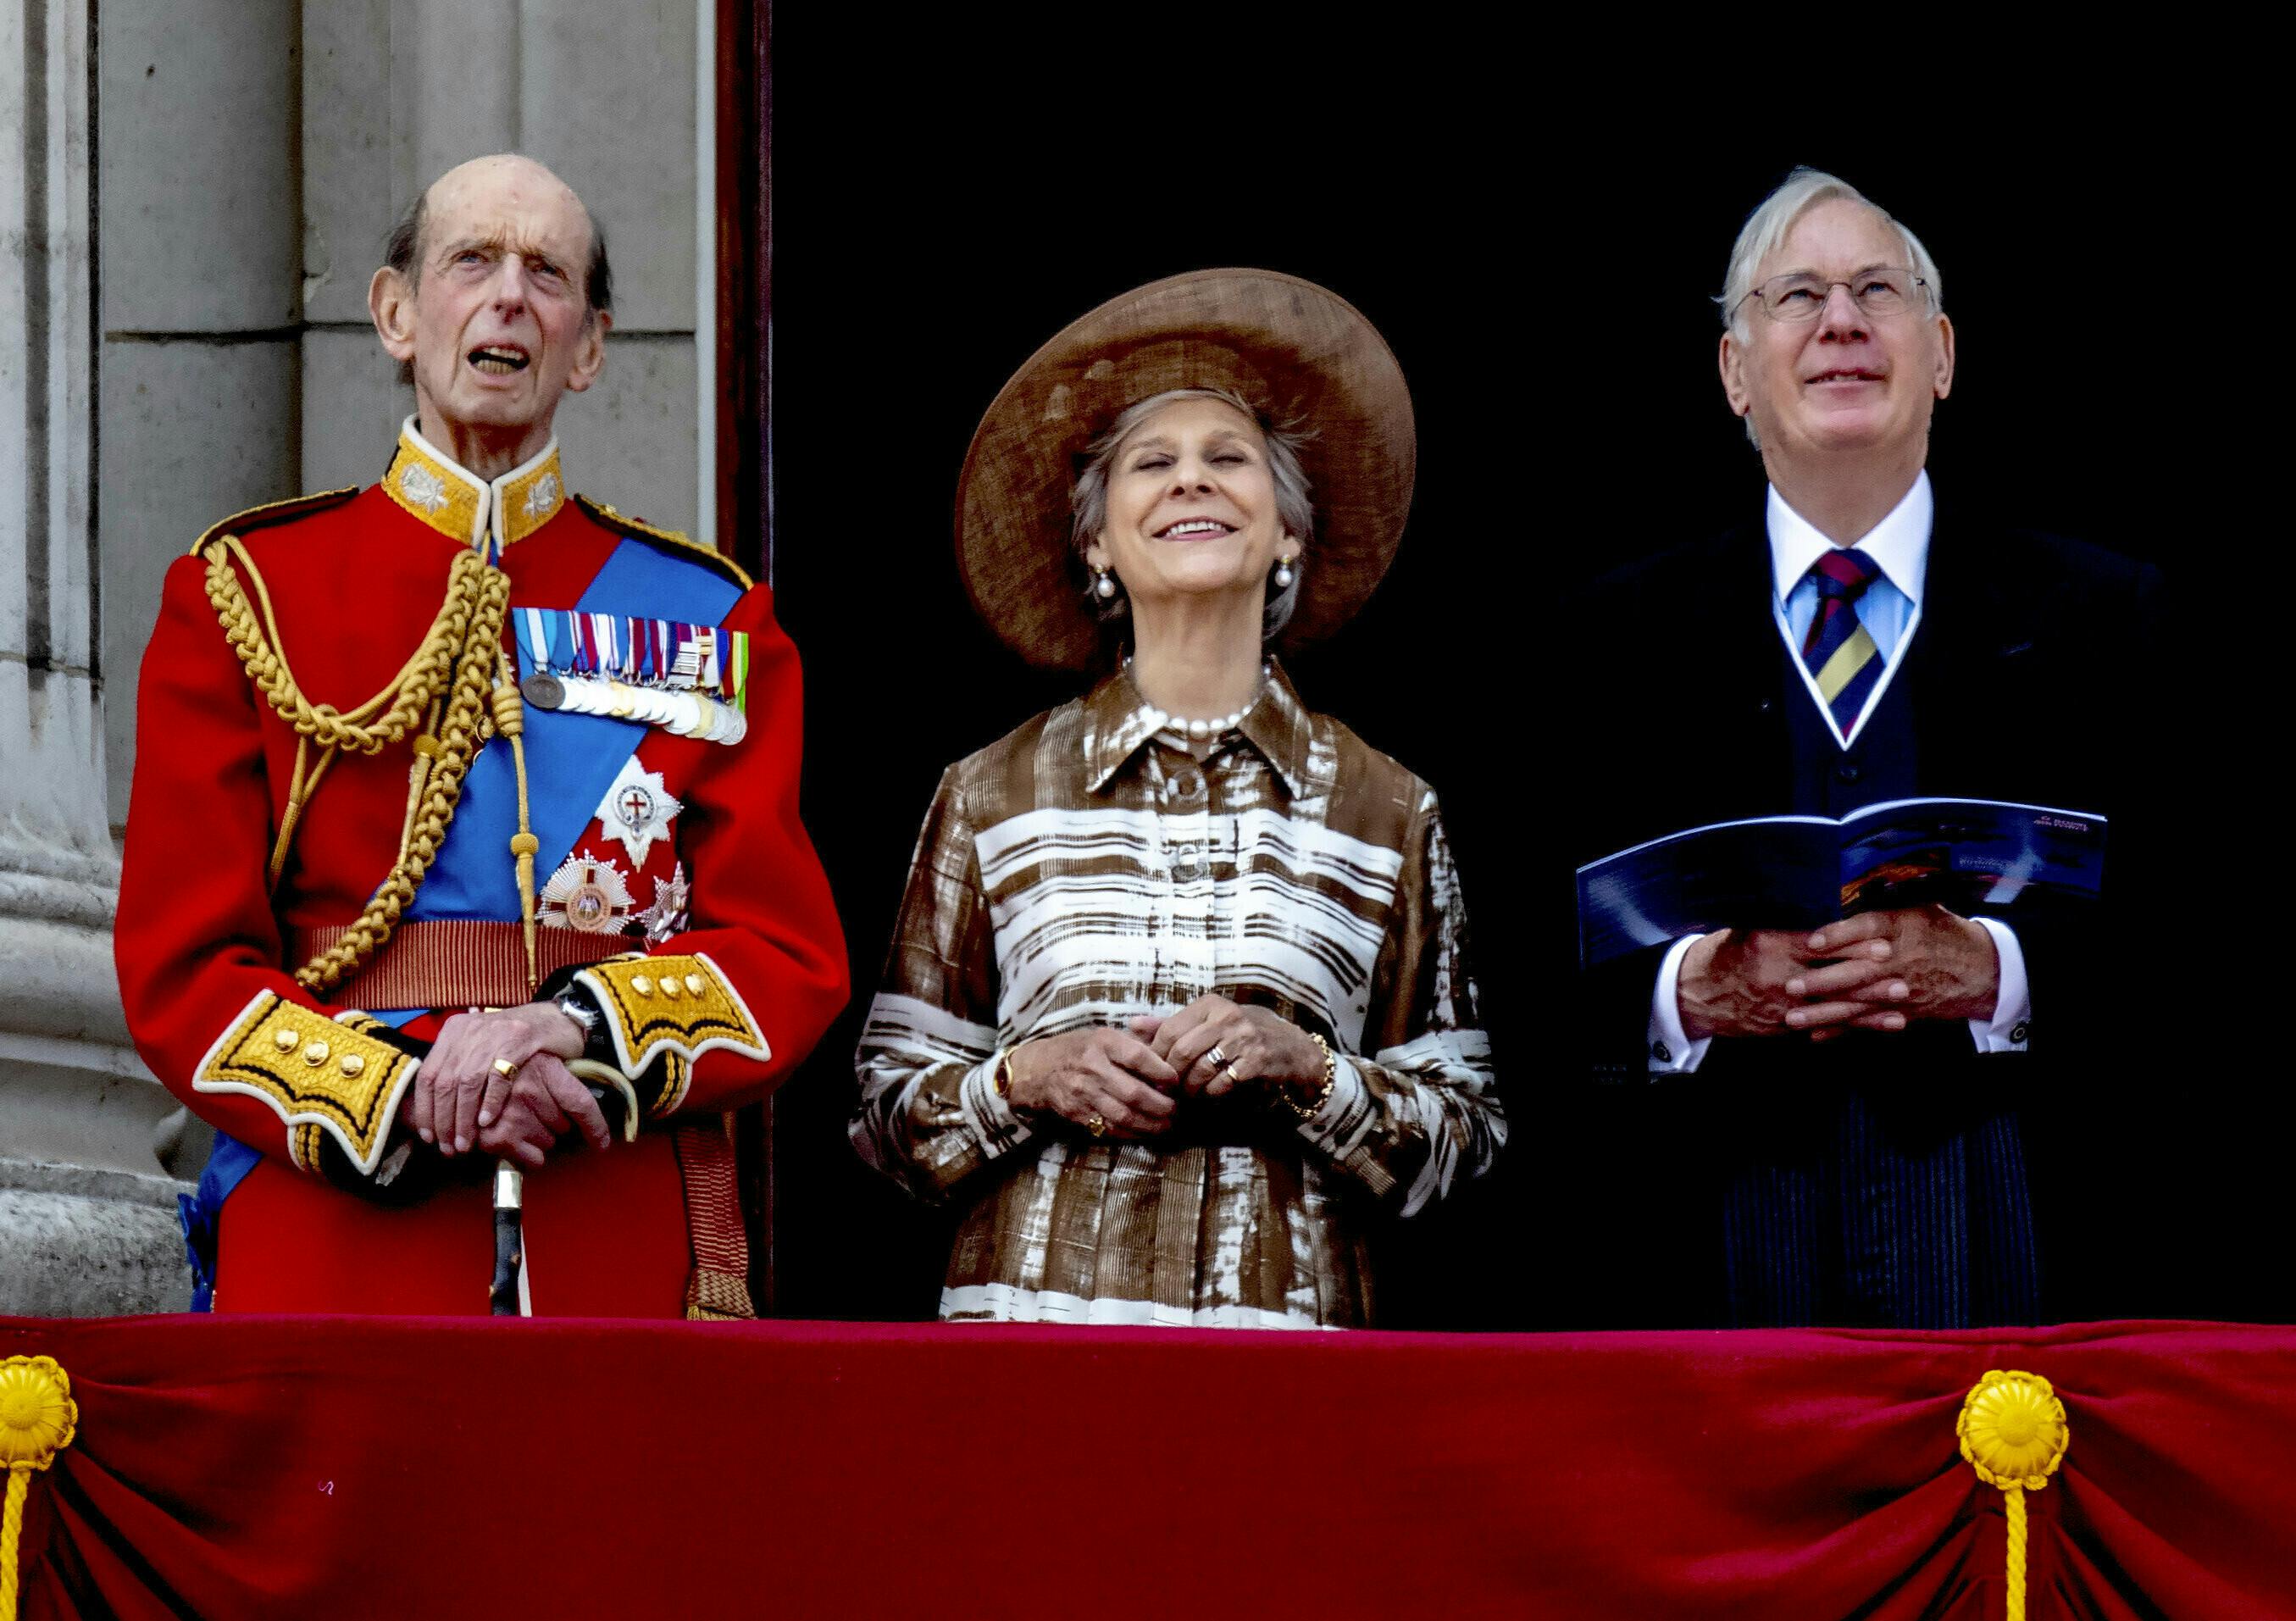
pixel 459 504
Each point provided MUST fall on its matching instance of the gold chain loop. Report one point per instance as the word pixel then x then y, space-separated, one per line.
pixel 464 645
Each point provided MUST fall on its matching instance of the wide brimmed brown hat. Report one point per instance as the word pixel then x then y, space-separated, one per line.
pixel 1302 357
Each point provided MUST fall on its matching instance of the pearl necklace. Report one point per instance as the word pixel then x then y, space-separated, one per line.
pixel 1197 731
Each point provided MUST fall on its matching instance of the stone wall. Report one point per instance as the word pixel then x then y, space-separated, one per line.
pixel 193 194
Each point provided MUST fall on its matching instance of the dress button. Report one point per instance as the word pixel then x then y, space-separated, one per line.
pixel 1187 785
pixel 1662 1052
pixel 695 985
pixel 285 1040
pixel 1187 865
pixel 639 985
pixel 2017 1032
pixel 316 1054
pixel 353 1067
pixel 1849 771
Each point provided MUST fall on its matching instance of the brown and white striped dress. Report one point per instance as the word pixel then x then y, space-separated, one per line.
pixel 1085 869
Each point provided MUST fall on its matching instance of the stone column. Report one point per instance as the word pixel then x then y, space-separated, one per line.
pixel 85 1213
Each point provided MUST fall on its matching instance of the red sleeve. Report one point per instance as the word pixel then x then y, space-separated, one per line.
pixel 761 910
pixel 197 945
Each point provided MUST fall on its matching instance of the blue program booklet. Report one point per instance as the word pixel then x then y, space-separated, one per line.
pixel 1798 872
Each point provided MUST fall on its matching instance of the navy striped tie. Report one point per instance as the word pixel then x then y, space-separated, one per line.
pixel 1842 656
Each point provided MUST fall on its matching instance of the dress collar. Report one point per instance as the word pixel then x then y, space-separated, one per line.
pixel 1900 544
pixel 490 516
pixel 1118 720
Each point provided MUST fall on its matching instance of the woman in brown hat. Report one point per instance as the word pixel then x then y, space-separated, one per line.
pixel 1179 997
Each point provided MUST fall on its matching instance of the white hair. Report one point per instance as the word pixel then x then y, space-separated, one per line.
pixel 1295 506
pixel 1767 227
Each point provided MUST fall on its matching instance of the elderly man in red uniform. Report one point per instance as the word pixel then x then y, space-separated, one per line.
pixel 464 835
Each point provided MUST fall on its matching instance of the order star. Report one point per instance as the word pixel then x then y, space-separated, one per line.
pixel 638 809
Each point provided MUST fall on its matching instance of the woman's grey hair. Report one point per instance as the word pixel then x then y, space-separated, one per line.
pixel 1294 505
pixel 1767 227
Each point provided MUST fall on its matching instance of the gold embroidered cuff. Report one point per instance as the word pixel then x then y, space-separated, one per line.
pixel 318 1074
pixel 680 1006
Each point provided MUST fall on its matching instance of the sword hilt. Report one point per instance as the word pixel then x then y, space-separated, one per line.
pixel 510 1242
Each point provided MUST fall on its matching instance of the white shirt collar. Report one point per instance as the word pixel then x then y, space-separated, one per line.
pixel 1900 543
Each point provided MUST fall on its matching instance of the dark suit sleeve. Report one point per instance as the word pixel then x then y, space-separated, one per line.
pixel 2076 962
pixel 1614 1015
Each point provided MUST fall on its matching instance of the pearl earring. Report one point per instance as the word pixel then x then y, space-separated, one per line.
pixel 1284 575
pixel 1103 583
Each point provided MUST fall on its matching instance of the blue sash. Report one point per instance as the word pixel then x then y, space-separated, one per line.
pixel 570 760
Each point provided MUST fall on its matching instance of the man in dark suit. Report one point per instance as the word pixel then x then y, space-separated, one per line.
pixel 1850 1098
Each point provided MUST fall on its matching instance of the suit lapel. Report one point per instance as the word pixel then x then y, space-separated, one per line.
pixel 1740 686
pixel 1976 647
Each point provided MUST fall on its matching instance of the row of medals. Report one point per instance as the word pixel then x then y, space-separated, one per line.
pixel 679 710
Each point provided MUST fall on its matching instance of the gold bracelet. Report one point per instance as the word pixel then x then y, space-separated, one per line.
pixel 1315 1105
pixel 1000 1073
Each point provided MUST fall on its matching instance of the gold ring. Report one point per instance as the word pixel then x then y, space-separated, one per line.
pixel 1232 1078
pixel 507 1070
pixel 1096 1126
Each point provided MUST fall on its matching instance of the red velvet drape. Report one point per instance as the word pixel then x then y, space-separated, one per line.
pixel 294 1466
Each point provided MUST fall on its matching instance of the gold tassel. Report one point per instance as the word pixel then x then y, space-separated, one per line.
pixel 510 721
pixel 2014 1434
pixel 38 1420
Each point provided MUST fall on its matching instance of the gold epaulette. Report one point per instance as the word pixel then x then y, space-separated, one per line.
pixel 315 1072
pixel 271 514
pixel 676 1006
pixel 683 546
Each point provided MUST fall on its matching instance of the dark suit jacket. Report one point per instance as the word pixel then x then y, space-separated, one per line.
pixel 2034 674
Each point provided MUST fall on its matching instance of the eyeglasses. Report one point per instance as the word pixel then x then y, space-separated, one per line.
pixel 1886 291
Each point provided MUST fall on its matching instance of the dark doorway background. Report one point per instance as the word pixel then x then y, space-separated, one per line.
pixel 1545 279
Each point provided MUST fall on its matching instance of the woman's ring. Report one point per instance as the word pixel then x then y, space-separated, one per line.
pixel 1096 1126
pixel 507 1070
pixel 1232 1078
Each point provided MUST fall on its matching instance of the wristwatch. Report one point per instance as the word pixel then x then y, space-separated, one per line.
pixel 577 1008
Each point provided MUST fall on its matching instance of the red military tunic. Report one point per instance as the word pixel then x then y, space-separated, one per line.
pixel 715 881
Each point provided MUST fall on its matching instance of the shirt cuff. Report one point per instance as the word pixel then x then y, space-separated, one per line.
pixel 1342 1120
pixel 1671 1050
pixel 2012 1007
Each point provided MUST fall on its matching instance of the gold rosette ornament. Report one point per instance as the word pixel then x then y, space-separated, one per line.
pixel 2014 1434
pixel 38 1420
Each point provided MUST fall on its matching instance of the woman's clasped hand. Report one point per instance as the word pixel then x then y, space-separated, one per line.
pixel 1129 1082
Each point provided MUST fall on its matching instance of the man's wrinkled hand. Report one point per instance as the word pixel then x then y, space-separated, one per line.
pixel 460 1098
pixel 1769 982
pixel 1936 965
pixel 1877 971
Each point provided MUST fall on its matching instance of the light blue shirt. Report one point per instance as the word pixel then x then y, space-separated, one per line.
pixel 1890 607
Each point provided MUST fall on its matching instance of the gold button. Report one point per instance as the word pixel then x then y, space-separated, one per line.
pixel 353 1067
pixel 639 985
pixel 694 982
pixel 669 986
pixel 284 1040
pixel 316 1054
